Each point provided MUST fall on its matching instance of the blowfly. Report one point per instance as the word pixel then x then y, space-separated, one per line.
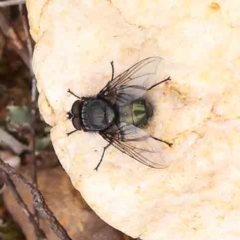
pixel 121 110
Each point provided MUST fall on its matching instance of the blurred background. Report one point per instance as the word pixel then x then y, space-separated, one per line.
pixel 26 146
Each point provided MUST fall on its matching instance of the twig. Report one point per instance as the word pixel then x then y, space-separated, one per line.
pixel 33 99
pixel 11 142
pixel 33 131
pixel 26 31
pixel 10 33
pixel 38 202
pixel 33 137
pixel 33 94
pixel 40 234
pixel 11 3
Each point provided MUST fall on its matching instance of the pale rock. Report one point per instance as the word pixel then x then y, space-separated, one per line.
pixel 198 195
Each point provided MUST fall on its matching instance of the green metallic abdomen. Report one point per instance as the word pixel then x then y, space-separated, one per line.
pixel 136 113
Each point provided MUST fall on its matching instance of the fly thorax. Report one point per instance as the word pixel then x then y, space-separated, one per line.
pixel 136 113
pixel 96 115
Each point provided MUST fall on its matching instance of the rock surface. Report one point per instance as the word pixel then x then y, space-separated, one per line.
pixel 198 195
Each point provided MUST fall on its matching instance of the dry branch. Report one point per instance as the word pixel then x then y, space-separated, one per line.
pixel 38 202
pixel 11 142
pixel 11 34
pixel 26 31
pixel 11 3
pixel 33 97
pixel 40 234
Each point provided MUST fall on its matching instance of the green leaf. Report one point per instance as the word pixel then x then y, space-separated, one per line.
pixel 19 115
pixel 42 143
pixel 47 129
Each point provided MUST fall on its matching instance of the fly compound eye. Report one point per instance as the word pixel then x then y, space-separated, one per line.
pixel 76 107
pixel 76 122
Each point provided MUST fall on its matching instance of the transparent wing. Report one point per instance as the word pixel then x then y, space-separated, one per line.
pixel 133 83
pixel 136 143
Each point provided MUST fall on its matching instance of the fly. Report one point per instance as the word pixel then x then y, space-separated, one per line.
pixel 120 111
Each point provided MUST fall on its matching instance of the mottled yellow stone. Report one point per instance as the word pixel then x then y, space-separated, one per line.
pixel 198 195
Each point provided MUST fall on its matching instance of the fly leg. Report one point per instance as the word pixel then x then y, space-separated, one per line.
pixel 104 149
pixel 69 91
pixel 157 139
pixel 153 86
pixel 112 70
pixel 165 80
pixel 71 132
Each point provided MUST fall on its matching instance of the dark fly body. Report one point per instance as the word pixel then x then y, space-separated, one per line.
pixel 121 110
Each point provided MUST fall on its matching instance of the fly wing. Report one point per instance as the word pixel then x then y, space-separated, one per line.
pixel 136 143
pixel 133 83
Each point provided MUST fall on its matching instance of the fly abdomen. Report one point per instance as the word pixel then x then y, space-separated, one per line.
pixel 136 113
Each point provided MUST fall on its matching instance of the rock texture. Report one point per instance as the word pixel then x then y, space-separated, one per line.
pixel 198 195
